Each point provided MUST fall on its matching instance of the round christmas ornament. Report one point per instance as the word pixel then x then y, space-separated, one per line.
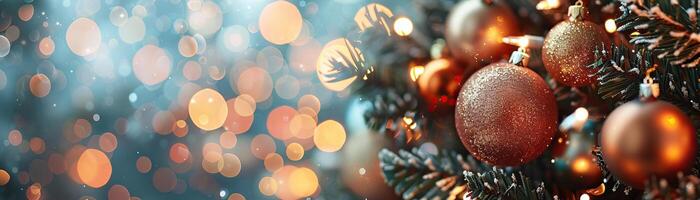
pixel 439 85
pixel 506 114
pixel 475 29
pixel 575 167
pixel 570 47
pixel 646 138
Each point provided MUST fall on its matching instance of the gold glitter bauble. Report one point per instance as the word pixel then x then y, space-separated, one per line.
pixel 475 30
pixel 644 139
pixel 570 47
pixel 506 114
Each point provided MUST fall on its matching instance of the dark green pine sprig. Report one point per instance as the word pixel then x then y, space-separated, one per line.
pixel 499 184
pixel 421 175
pixel 669 30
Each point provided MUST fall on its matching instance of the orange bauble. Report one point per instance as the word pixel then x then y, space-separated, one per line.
pixel 644 139
pixel 439 85
pixel 506 115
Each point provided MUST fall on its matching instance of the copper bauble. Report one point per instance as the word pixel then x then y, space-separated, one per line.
pixel 360 169
pixel 475 30
pixel 506 114
pixel 439 85
pixel 644 139
pixel 570 47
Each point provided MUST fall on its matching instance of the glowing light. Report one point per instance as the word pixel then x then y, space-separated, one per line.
pixel 37 145
pixel 267 186
pixel 255 82
pixel 548 4
pixel 302 126
pixel 232 165
pixel 610 26
pixel 15 137
pixel 118 192
pixel 4 46
pixel 207 19
pixel 236 196
pixel 143 164
pixel 303 182
pixel 40 85
pixel 108 142
pixel 34 192
pixel 26 12
pixel 244 105
pixel 228 140
pixel 208 109
pixel 151 65
pixel 581 114
pixel 118 16
pixel 235 122
pixel 278 122
pixel 4 177
pixel 94 168
pixel 280 33
pixel 83 37
pixel 581 165
pixel 273 162
pixel 187 46
pixel 261 145
pixel 46 46
pixel 416 71
pixel 329 136
pixel 192 70
pixel 310 101
pixel 372 14
pixel 179 153
pixel 295 151
pixel 403 26
pixel 585 197
pixel 236 38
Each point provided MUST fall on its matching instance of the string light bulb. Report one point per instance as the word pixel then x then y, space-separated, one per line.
pixel 610 26
pixel 548 5
pixel 403 26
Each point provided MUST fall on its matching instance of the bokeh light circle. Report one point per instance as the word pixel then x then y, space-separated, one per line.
pixel 40 85
pixel 280 33
pixel 118 192
pixel 268 186
pixel 273 161
pixel 187 46
pixel 179 153
pixel 278 122
pixel 228 140
pixel 261 145
pixel 232 165
pixel 151 65
pixel 4 46
pixel 83 37
pixel 208 109
pixel 94 168
pixel 207 19
pixel 133 30
pixel 295 151
pixel 303 182
pixel 329 136
pixel 143 164
pixel 4 177
pixel 255 82
pixel 46 46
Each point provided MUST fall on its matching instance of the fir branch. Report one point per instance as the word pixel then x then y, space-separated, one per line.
pixel 620 73
pixel 667 27
pixel 422 175
pixel 498 184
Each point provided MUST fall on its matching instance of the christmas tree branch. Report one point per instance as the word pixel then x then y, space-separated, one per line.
pixel 498 184
pixel 422 175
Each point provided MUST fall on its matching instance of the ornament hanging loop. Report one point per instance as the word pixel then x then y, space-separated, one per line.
pixel 577 11
pixel 648 89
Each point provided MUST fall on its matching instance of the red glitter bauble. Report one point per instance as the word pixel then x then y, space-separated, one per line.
pixel 506 115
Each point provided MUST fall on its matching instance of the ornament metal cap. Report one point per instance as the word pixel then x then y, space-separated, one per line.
pixel 577 11
pixel 520 57
pixel 648 89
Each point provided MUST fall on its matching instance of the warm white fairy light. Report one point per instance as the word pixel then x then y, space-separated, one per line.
pixel 610 26
pixel 403 26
